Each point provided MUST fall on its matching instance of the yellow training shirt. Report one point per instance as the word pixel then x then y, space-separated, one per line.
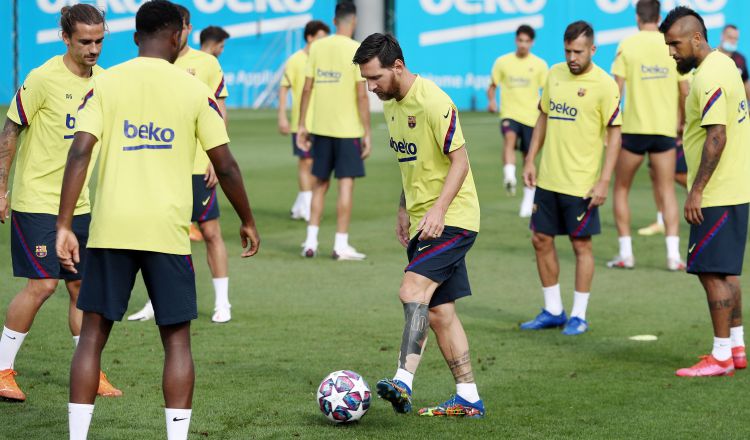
pixel 424 128
pixel 717 97
pixel 579 109
pixel 206 68
pixel 651 81
pixel 294 79
pixel 46 105
pixel 520 80
pixel 334 106
pixel 148 115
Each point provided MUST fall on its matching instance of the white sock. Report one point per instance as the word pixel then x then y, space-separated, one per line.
pixel 722 348
pixel 552 299
pixel 528 196
pixel 312 236
pixel 468 391
pixel 75 340
pixel 178 423
pixel 404 376
pixel 306 199
pixel 221 290
pixel 626 247
pixel 660 218
pixel 297 202
pixel 737 335
pixel 580 303
pixel 673 247
pixel 509 172
pixel 79 420
pixel 342 241
pixel 10 342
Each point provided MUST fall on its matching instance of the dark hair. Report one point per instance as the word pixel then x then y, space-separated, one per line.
pixel 527 30
pixel 678 13
pixel 315 26
pixel 79 13
pixel 157 15
pixel 578 28
pixel 648 10
pixel 184 13
pixel 345 9
pixel 213 33
pixel 730 26
pixel 383 46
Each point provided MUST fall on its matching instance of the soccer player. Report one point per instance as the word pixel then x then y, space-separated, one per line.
pixel 43 115
pixel 650 121
pixel 213 39
pixel 340 128
pixel 580 104
pixel 717 130
pixel 140 218
pixel 437 222
pixel 205 204
pixel 294 79
pixel 730 36
pixel 520 75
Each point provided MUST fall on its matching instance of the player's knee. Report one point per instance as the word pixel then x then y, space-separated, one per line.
pixel 582 248
pixel 211 231
pixel 541 242
pixel 410 293
pixel 40 290
pixel 441 317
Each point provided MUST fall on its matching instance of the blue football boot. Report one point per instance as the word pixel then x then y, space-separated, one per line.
pixel 575 326
pixel 396 392
pixel 545 320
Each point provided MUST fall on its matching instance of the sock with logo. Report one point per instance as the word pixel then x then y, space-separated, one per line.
pixel 312 236
pixel 737 335
pixel 178 423
pixel 673 247
pixel 79 420
pixel 405 377
pixel 75 341
pixel 342 241
pixel 468 392
pixel 626 247
pixel 221 290
pixel 509 172
pixel 552 299
pixel 722 348
pixel 10 343
pixel 528 196
pixel 580 303
pixel 660 218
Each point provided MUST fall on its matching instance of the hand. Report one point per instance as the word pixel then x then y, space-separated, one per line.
pixel 432 224
pixel 284 125
pixel 366 146
pixel 598 194
pixel 529 174
pixel 67 249
pixel 303 139
pixel 210 177
pixel 693 212
pixel 402 227
pixel 492 107
pixel 4 209
pixel 249 236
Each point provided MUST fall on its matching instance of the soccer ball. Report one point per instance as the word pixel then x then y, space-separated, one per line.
pixel 344 396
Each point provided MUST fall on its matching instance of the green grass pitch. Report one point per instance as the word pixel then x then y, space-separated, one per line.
pixel 296 320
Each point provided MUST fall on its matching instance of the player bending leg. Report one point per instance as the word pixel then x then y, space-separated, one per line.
pixel 437 222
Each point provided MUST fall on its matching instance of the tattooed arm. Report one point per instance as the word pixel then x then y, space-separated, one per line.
pixel 8 139
pixel 716 140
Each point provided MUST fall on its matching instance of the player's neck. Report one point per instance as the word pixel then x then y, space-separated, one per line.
pixel 405 86
pixel 76 69
pixel 522 54
pixel 345 31
pixel 648 27
pixel 703 51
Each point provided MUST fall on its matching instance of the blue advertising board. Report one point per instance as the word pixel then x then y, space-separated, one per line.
pixel 455 42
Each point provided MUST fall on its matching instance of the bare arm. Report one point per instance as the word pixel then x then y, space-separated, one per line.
pixel 492 98
pixel 620 83
pixel 713 147
pixel 684 90
pixel 302 133
pixel 8 141
pixel 599 192
pixel 283 121
pixel 402 222
pixel 433 222
pixel 535 146
pixel 363 105
pixel 222 103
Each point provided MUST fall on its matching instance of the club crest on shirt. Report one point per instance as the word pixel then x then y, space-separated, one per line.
pixel 581 92
pixel 41 251
pixel 191 71
pixel 412 121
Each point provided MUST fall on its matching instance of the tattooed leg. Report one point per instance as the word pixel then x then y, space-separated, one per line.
pixel 452 341
pixel 721 305
pixel 414 338
pixel 734 283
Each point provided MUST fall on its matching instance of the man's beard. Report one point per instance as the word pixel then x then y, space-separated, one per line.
pixel 685 65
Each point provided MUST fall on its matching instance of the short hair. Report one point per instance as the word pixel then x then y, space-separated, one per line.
pixel 383 46
pixel 678 13
pixel 526 30
pixel 184 13
pixel 315 26
pixel 648 10
pixel 730 26
pixel 213 33
pixel 157 15
pixel 578 28
pixel 79 13
pixel 345 9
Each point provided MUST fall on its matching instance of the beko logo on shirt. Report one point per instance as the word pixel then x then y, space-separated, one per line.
pixel 405 147
pixel 328 76
pixel 149 132
pixel 654 72
pixel 518 81
pixel 565 111
pixel 70 123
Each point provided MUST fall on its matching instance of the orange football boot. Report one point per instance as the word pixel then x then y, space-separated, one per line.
pixel 9 388
pixel 106 389
pixel 195 233
pixel 739 357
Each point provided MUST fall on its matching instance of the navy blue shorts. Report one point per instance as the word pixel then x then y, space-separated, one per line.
pixel 205 202
pixel 523 132
pixel 561 214
pixel 302 154
pixel 681 164
pixel 32 245
pixel 340 155
pixel 443 260
pixel 109 275
pixel 641 144
pixel 718 244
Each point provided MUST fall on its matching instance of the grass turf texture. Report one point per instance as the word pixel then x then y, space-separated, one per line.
pixel 296 320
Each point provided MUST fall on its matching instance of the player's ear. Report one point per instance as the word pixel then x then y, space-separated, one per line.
pixel 135 38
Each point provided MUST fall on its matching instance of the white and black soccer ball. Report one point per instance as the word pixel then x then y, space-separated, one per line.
pixel 344 396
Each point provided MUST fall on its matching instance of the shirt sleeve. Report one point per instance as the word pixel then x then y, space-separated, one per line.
pixel 28 100
pixel 619 65
pixel 90 112
pixel 217 83
pixel 496 74
pixel 713 105
pixel 445 126
pixel 209 127
pixel 311 62
pixel 610 104
pixel 286 79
